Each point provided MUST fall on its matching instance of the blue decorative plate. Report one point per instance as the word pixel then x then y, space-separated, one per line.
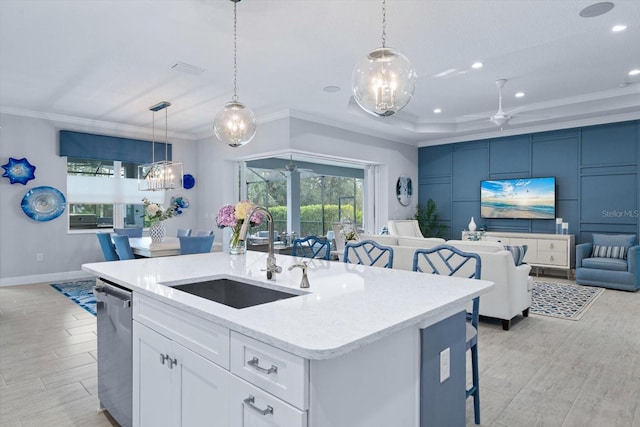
pixel 19 171
pixel 43 203
pixel 188 181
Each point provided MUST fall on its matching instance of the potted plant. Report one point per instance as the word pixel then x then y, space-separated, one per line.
pixel 429 221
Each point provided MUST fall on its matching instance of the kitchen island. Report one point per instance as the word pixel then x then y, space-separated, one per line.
pixel 355 349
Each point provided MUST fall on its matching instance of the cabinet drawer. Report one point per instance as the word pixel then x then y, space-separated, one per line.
pixel 552 258
pixel 552 245
pixel 198 335
pixel 251 406
pixel 282 374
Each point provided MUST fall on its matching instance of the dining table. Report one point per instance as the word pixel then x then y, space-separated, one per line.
pixel 170 246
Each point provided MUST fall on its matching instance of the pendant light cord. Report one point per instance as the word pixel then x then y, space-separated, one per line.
pixel 153 137
pixel 166 135
pixel 384 23
pixel 235 50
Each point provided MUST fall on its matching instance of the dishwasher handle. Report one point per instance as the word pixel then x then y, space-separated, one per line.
pixel 113 292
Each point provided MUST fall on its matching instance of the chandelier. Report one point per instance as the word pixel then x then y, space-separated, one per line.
pixel 164 174
pixel 235 123
pixel 384 80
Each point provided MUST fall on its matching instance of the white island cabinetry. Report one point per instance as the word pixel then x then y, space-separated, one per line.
pixel 360 348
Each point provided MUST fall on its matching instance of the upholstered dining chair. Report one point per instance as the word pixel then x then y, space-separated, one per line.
pixel 122 247
pixel 184 232
pixel 129 231
pixel 368 252
pixel 311 247
pixel 204 233
pixel 107 246
pixel 450 261
pixel 195 244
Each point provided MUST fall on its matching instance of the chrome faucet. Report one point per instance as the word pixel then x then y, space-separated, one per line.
pixel 304 283
pixel 272 267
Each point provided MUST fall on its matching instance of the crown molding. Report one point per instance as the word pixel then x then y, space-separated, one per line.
pixel 94 124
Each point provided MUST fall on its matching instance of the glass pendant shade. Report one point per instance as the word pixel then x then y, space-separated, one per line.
pixel 157 176
pixel 383 82
pixel 235 124
pixel 163 174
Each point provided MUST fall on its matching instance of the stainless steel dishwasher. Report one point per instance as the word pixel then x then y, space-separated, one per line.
pixel 114 350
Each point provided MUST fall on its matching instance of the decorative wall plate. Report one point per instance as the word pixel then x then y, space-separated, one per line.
pixel 188 181
pixel 43 203
pixel 19 171
pixel 404 190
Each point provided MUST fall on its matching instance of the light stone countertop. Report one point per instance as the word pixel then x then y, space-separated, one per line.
pixel 346 307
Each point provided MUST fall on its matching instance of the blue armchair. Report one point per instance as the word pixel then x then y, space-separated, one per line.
pixel 611 261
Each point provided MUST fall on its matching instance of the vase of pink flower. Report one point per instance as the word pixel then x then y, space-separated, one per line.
pixel 233 216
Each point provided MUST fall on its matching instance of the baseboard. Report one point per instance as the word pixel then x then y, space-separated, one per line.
pixel 44 278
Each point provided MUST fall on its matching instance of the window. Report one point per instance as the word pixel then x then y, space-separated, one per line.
pixel 90 182
pixel 322 200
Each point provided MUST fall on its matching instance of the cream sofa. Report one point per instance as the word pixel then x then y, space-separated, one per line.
pixel 511 295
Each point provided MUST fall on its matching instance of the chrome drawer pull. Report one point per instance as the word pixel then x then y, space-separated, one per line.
pixel 250 402
pixel 172 362
pixel 255 363
pixel 163 358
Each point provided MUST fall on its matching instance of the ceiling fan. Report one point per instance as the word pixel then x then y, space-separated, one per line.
pixel 500 118
pixel 292 167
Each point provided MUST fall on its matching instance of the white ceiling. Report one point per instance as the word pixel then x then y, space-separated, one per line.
pixel 109 60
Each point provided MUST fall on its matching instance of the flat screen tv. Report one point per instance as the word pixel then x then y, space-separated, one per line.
pixel 526 198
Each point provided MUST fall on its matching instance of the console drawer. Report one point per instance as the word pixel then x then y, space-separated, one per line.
pixel 282 374
pixel 552 245
pixel 552 258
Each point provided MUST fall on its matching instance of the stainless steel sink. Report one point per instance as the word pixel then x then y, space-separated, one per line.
pixel 233 293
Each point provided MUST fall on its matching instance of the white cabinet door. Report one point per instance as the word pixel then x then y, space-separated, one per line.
pixel 174 386
pixel 204 391
pixel 152 389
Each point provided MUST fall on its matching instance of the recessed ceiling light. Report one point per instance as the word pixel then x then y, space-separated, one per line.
pixel 331 89
pixel 596 9
pixel 618 28
pixel 477 65
pixel 519 94
pixel 437 111
pixel 634 72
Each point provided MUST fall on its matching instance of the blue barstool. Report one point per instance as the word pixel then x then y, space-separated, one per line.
pixel 368 252
pixel 311 247
pixel 450 261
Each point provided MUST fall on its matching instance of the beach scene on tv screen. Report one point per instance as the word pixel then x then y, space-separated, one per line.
pixel 531 198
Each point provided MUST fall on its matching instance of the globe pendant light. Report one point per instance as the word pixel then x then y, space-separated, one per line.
pixel 384 80
pixel 162 175
pixel 235 123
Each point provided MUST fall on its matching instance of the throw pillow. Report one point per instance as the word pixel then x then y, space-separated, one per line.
pixel 619 252
pixel 518 253
pixel 612 245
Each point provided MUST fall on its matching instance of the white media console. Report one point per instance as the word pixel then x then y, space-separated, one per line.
pixel 544 251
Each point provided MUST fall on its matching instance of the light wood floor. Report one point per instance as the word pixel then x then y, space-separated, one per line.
pixel 543 372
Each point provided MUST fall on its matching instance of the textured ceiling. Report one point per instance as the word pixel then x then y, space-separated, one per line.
pixel 108 61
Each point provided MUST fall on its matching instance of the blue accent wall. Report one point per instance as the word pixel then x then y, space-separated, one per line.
pixel 597 170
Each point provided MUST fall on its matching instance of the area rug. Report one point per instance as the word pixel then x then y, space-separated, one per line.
pixel 80 292
pixel 565 301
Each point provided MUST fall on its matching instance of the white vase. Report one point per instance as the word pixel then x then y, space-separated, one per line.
pixel 157 232
pixel 472 225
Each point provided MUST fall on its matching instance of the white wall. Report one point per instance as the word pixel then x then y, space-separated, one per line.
pixel 209 161
pixel 21 238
